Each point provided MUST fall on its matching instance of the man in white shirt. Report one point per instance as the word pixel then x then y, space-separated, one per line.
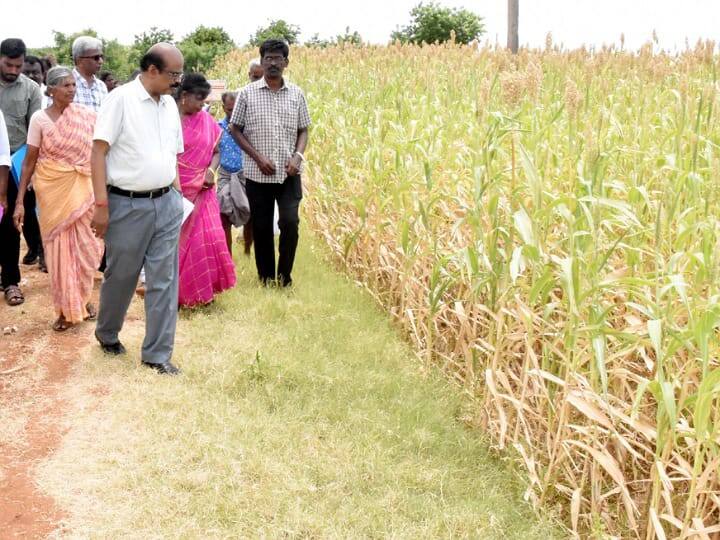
pixel 138 205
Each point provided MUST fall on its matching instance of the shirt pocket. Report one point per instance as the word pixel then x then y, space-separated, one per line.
pixel 289 114
pixel 16 108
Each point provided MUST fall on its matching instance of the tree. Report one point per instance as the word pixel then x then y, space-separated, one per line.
pixel 146 40
pixel 116 54
pixel 202 46
pixel 513 16
pixel 63 44
pixel 278 30
pixel 432 23
pixel 347 38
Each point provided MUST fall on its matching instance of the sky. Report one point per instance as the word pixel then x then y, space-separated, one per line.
pixel 572 22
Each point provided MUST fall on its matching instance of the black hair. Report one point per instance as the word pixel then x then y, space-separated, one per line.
pixel 13 48
pixel 274 45
pixel 45 64
pixel 104 75
pixel 152 59
pixel 226 95
pixel 194 83
pixel 134 75
pixel 30 59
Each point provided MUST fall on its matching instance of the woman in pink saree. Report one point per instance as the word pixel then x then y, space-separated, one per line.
pixel 206 267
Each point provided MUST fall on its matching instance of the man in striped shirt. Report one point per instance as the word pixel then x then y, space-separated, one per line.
pixel 87 53
pixel 270 123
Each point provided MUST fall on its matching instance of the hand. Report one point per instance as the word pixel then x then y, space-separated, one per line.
pixel 3 202
pixel 266 166
pixel 292 167
pixel 100 221
pixel 19 216
pixel 209 179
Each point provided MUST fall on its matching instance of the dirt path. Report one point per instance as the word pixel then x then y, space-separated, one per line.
pixel 35 363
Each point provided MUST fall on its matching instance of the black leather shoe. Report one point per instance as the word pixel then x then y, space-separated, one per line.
pixel 164 368
pixel 31 257
pixel 114 349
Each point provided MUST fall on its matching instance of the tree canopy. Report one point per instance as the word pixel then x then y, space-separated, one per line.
pixel 278 29
pixel 203 45
pixel 432 22
pixel 348 38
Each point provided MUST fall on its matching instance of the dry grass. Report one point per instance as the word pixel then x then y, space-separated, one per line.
pixel 545 229
pixel 300 414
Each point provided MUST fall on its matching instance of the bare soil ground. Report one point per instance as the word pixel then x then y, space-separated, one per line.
pixel 35 364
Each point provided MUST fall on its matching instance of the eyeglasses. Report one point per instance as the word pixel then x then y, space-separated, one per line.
pixel 174 74
pixel 96 57
pixel 273 60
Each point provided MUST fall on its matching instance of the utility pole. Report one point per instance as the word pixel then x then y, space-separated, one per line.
pixel 512 35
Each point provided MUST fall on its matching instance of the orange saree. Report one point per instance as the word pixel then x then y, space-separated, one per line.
pixel 65 203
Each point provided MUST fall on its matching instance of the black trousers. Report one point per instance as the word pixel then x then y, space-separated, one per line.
pixel 9 242
pixel 31 227
pixel 262 198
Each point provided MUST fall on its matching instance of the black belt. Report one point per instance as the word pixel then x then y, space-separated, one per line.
pixel 152 194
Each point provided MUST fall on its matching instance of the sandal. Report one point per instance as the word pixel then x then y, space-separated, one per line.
pixel 13 295
pixel 61 324
pixel 92 312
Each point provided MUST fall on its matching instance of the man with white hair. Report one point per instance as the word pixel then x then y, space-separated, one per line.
pixel 255 70
pixel 87 53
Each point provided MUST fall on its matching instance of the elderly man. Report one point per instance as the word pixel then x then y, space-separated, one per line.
pixel 138 205
pixel 87 53
pixel 255 70
pixel 19 99
pixel 270 123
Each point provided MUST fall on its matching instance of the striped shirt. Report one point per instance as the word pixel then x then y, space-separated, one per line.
pixel 91 96
pixel 270 121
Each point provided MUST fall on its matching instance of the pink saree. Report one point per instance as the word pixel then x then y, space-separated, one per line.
pixel 206 267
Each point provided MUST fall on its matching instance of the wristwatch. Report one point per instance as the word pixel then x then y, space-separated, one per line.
pixel 302 158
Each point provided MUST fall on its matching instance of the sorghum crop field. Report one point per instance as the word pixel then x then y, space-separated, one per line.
pixel 545 228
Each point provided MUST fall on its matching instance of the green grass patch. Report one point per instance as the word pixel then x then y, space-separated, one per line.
pixel 300 414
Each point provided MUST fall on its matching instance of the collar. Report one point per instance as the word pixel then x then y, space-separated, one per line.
pixel 143 94
pixel 19 80
pixel 80 77
pixel 263 84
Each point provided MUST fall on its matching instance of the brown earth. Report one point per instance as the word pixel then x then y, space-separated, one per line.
pixel 35 365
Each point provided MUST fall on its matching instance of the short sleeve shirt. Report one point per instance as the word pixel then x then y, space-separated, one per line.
pixel 270 121
pixel 145 137
pixel 90 95
pixel 18 102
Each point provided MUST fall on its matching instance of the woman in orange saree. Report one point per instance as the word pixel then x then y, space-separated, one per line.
pixel 58 164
